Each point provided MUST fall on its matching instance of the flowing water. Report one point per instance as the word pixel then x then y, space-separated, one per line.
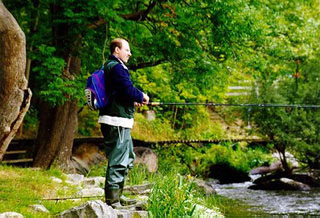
pixel 273 203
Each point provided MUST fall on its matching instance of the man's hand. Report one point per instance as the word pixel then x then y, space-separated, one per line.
pixel 137 104
pixel 145 99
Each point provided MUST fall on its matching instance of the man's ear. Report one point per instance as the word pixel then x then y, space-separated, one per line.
pixel 117 49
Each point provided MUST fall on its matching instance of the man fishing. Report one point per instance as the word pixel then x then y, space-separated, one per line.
pixel 116 121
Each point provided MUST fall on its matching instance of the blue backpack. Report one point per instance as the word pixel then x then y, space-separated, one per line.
pixel 95 91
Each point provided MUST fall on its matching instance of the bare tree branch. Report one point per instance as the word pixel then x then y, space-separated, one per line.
pixel 140 15
pixel 146 64
pixel 97 23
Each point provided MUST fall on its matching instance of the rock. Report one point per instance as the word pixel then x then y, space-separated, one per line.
pixel 280 184
pixel 227 174
pixel 303 178
pixel 89 153
pixel 55 179
pixel 11 215
pixel 202 211
pixel 132 214
pixel 91 209
pixel 86 155
pixel 142 198
pixel 98 209
pixel 94 181
pixel 289 157
pixel 275 175
pixel 90 192
pixel 139 189
pixel 140 214
pixel 75 179
pixel 276 166
pixel 40 208
pixel 206 186
pixel 79 165
pixel 295 185
pixel 147 157
pixel 306 179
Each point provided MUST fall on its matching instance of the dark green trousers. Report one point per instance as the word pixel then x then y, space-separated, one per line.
pixel 119 151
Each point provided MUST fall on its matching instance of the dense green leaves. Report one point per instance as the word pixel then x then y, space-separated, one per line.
pixel 183 51
pixel 295 129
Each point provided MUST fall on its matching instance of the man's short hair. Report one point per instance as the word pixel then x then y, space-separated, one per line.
pixel 116 43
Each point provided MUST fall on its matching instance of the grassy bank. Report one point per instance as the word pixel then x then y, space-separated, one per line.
pixel 22 187
pixel 175 193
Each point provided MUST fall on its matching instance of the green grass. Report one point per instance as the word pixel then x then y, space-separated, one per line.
pixel 22 187
pixel 173 194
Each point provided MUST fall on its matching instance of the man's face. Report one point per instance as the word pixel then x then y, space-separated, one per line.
pixel 124 52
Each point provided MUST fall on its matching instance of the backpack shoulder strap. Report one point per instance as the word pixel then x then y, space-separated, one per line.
pixel 110 64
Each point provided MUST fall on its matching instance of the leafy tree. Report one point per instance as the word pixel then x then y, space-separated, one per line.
pixel 182 51
pixel 296 129
pixel 67 39
pixel 286 72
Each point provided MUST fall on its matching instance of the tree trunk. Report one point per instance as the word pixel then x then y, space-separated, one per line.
pixel 58 125
pixel 57 129
pixel 14 94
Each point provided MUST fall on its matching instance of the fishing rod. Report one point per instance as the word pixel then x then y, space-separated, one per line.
pixel 233 105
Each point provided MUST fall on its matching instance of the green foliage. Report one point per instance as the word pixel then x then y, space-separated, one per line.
pixel 53 85
pixel 171 197
pixel 197 161
pixel 182 42
pixel 158 129
pixel 88 123
pixel 201 125
pixel 139 175
pixel 31 122
pixel 296 129
pixel 98 170
pixel 49 75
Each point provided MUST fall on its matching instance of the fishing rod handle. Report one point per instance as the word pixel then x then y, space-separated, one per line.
pixel 154 103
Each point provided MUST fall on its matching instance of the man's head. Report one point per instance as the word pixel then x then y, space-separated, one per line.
pixel 121 49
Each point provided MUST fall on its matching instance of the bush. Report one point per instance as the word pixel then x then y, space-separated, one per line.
pixel 197 161
pixel 171 197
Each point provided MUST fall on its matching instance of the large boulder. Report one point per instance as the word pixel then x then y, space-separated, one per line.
pixel 280 184
pixel 91 209
pixel 304 178
pixel 284 181
pixel 207 187
pixel 274 167
pixel 85 156
pixel 147 157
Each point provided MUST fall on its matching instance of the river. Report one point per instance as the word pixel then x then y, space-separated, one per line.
pixel 273 203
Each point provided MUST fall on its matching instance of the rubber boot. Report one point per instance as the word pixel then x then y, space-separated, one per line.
pixel 113 198
pixel 123 199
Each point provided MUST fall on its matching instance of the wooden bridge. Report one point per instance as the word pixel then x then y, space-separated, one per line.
pixel 20 151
